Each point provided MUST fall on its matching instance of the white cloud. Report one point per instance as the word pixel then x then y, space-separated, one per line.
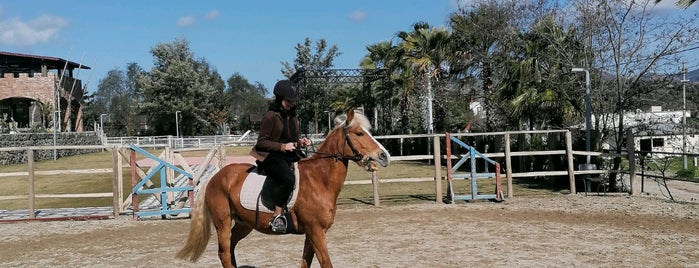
pixel 357 16
pixel 456 4
pixel 42 29
pixel 185 21
pixel 213 14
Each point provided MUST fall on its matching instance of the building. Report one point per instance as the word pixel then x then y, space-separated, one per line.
pixel 36 89
pixel 657 130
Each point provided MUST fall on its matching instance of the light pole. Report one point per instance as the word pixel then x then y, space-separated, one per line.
pixel 177 127
pixel 177 123
pixel 329 127
pixel 684 117
pixel 56 116
pixel 102 124
pixel 587 110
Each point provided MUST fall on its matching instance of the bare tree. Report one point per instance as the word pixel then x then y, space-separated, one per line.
pixel 628 44
pixel 681 3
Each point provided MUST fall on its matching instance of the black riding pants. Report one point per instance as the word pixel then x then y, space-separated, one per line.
pixel 279 171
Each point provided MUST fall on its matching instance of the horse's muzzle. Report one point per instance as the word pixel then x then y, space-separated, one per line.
pixel 383 159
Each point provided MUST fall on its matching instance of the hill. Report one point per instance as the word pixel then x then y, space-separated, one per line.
pixel 693 76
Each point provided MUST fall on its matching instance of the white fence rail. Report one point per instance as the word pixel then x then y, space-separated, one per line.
pixel 434 155
pixel 247 139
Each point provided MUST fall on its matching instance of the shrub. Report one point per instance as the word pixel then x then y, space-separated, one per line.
pixel 687 173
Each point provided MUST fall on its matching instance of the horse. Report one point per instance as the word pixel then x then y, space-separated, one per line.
pixel 321 177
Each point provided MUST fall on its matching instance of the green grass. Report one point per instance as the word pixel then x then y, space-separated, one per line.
pixel 674 168
pixel 390 193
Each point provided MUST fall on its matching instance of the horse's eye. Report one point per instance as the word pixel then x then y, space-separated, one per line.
pixel 360 134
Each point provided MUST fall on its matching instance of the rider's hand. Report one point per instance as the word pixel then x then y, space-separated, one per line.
pixel 304 142
pixel 288 147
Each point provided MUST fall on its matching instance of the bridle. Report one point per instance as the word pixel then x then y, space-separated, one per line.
pixel 357 157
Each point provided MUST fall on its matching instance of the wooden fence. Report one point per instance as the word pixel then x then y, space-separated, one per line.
pixel 507 154
pixel 121 158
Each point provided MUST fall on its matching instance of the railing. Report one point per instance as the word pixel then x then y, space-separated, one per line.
pixel 436 156
pixel 30 173
pixel 506 156
pixel 121 158
pixel 247 139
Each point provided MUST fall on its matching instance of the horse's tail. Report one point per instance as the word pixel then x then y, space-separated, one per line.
pixel 199 229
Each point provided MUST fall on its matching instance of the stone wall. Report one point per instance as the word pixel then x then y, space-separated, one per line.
pixel 45 139
pixel 37 88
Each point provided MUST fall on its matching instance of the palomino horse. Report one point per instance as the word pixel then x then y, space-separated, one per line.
pixel 321 179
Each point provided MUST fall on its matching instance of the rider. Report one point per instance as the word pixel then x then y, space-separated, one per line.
pixel 276 147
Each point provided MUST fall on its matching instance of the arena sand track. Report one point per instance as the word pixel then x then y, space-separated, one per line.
pixel 559 231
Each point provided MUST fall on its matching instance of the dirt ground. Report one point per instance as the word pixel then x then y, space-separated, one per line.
pixel 558 231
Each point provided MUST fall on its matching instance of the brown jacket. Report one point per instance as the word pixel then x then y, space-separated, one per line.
pixel 270 133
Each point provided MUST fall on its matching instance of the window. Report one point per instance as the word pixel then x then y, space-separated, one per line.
pixel 658 142
pixel 648 144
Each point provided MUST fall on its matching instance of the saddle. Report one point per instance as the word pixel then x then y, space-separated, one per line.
pixel 256 192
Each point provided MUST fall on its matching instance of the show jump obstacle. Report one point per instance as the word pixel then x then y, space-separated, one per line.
pixel 473 175
pixel 166 189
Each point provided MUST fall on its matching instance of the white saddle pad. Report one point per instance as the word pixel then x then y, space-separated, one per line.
pixel 252 186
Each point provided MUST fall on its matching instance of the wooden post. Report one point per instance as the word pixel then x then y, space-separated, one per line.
pixel 569 156
pixel 116 173
pixel 30 163
pixel 375 183
pixel 450 191
pixel 222 156
pixel 508 165
pixel 120 178
pixel 437 170
pixel 134 181
pixel 169 197
pixel 630 153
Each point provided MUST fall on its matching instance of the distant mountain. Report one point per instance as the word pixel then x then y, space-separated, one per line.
pixel 693 75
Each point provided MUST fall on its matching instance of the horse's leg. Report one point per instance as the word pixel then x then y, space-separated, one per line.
pixel 221 219
pixel 308 253
pixel 316 235
pixel 239 232
pixel 223 231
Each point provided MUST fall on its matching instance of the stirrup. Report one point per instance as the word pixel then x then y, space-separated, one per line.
pixel 278 224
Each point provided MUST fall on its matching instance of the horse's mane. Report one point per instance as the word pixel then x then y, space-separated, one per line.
pixel 359 120
pixel 341 121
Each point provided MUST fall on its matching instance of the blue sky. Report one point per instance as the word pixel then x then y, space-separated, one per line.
pixel 248 37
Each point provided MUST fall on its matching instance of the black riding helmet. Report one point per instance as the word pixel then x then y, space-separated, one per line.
pixel 286 90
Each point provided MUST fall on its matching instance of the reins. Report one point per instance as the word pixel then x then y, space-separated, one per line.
pixel 339 155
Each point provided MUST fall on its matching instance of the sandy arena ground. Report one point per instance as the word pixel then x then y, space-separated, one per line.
pixel 560 231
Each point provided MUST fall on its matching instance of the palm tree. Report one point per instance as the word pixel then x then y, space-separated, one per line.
pixel 533 84
pixel 424 49
pixel 478 39
pixel 382 55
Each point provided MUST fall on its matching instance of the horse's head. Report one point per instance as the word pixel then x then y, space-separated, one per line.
pixel 357 144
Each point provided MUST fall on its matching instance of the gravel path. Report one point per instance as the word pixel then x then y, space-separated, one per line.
pixel 574 230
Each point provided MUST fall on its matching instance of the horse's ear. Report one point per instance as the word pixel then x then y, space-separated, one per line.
pixel 350 115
